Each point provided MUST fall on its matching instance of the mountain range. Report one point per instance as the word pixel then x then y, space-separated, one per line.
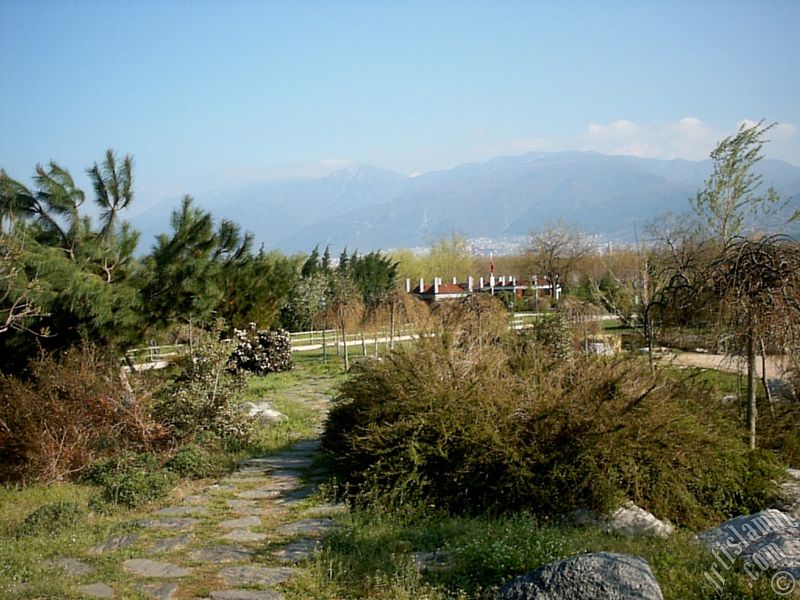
pixel 367 208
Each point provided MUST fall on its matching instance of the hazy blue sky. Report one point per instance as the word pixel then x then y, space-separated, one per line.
pixel 211 94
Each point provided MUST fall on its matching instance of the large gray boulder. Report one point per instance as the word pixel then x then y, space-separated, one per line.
pixel 790 494
pixel 597 576
pixel 769 539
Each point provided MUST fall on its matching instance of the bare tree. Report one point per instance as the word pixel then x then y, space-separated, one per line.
pixel 754 286
pixel 555 252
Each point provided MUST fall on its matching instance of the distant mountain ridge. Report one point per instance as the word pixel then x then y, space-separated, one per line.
pixel 368 208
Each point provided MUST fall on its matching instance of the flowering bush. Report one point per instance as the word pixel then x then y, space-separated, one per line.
pixel 205 394
pixel 262 352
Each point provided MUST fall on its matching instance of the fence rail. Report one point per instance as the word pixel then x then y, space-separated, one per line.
pixel 304 341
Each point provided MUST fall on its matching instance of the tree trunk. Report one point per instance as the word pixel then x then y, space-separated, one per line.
pixel 363 344
pixel 391 326
pixel 346 355
pixel 764 380
pixel 752 412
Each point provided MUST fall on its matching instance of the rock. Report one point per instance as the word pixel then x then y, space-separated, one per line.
pixel 633 520
pixel 158 591
pixel 628 519
pixel 256 575
pixel 790 494
pixel 71 566
pixel 597 576
pixel 310 527
pixel 429 561
pixel 769 539
pixel 152 568
pixel 242 523
pixel 97 590
pixel 246 595
pixel 263 413
pixel 115 543
pixel 220 554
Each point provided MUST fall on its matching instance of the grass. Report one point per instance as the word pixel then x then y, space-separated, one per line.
pixel 372 556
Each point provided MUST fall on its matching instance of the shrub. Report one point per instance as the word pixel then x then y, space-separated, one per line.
pixel 195 461
pixel 71 410
pixel 509 428
pixel 204 395
pixel 262 352
pixel 129 479
pixel 51 518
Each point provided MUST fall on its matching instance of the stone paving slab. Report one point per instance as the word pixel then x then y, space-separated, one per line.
pixel 144 567
pixel 244 481
pixel 70 566
pixel 300 461
pixel 171 544
pixel 246 595
pixel 197 499
pixel 179 511
pixel 220 489
pixel 173 523
pixel 307 527
pixel 307 445
pixel 326 509
pixel 97 590
pixel 297 551
pixel 256 575
pixel 244 535
pixel 158 591
pixel 220 554
pixel 285 483
pixel 264 493
pixel 115 543
pixel 242 523
pixel 301 494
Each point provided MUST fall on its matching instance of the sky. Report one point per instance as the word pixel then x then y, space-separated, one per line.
pixel 210 95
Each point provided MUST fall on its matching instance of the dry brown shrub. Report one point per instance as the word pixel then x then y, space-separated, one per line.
pixel 70 411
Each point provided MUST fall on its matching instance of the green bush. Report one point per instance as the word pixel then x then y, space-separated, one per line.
pixel 195 461
pixel 509 427
pixel 129 480
pixel 204 395
pixel 51 518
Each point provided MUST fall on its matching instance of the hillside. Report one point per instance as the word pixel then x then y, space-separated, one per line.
pixel 369 208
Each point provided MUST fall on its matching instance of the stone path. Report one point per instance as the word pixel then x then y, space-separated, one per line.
pixel 239 539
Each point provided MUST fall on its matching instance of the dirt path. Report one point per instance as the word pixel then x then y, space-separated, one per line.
pixel 721 362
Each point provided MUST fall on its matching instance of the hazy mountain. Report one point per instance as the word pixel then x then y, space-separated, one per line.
pixel 368 208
